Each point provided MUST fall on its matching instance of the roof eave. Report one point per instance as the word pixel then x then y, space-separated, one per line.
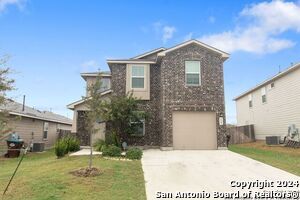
pixel 40 118
pixel 224 54
pixel 71 106
pixel 149 53
pixel 130 61
pixel 287 71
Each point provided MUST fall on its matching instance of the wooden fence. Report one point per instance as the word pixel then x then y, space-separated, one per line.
pixel 241 134
pixel 63 133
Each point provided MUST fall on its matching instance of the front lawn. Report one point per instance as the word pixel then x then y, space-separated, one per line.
pixel 41 176
pixel 284 158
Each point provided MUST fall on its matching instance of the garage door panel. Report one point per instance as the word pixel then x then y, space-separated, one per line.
pixel 194 130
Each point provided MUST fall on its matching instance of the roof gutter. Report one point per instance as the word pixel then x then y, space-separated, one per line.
pixel 40 118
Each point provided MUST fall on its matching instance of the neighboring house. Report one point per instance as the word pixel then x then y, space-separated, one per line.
pixel 33 125
pixel 272 105
pixel 182 89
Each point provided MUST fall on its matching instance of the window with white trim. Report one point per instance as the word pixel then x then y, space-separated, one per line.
pixel 45 130
pixel 138 76
pixel 192 73
pixel 250 101
pixel 263 95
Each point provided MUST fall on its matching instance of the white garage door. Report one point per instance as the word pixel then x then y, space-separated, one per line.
pixel 194 130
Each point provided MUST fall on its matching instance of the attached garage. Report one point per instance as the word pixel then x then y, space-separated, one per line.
pixel 194 130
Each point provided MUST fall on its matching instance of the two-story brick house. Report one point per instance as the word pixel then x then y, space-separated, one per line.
pixel 182 89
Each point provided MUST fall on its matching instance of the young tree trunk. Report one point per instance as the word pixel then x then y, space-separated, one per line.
pixel 91 152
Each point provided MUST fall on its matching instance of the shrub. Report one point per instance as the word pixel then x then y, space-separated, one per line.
pixel 73 144
pixel 60 148
pixel 99 144
pixel 112 139
pixel 65 145
pixel 111 151
pixel 134 154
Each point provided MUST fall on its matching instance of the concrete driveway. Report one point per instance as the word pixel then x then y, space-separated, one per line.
pixel 204 171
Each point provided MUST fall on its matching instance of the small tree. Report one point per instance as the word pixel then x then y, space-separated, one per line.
pixel 94 102
pixel 6 84
pixel 121 111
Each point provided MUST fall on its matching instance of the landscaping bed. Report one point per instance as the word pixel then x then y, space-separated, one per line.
pixel 284 158
pixel 43 176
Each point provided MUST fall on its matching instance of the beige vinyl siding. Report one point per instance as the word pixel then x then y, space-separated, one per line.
pixel 141 93
pixel 26 126
pixel 281 109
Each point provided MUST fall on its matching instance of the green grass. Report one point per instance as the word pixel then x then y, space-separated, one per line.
pixel 42 176
pixel 284 158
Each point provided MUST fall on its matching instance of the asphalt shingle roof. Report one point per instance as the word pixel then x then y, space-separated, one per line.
pixel 16 108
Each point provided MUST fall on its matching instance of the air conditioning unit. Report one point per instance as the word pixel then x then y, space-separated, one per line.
pixel 273 140
pixel 38 147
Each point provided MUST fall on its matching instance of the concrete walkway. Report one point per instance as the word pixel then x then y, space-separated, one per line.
pixel 85 152
pixel 209 171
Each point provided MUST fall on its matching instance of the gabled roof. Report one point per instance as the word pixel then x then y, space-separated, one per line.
pixel 71 106
pixel 15 108
pixel 163 53
pixel 270 80
pixel 149 53
pixel 133 61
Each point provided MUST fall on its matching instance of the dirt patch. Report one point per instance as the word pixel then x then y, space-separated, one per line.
pixel 86 172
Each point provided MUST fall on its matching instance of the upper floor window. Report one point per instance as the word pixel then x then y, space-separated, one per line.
pixel 250 101
pixel 192 73
pixel 105 84
pixel 263 95
pixel 138 76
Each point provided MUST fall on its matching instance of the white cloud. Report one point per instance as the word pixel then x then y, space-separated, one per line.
pixel 165 32
pixel 5 3
pixel 265 23
pixel 168 32
pixel 90 66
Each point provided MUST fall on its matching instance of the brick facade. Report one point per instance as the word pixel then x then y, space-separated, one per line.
pixel 153 124
pixel 169 93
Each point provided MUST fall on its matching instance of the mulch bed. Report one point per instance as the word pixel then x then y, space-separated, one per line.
pixel 86 172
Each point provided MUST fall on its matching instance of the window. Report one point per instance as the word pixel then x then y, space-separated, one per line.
pixel 138 76
pixel 272 85
pixel 263 95
pixel 192 73
pixel 105 84
pixel 45 131
pixel 138 127
pixel 250 101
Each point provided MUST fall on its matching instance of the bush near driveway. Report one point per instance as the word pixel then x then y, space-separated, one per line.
pixel 99 144
pixel 134 154
pixel 111 151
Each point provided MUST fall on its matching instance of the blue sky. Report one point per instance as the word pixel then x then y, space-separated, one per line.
pixel 51 42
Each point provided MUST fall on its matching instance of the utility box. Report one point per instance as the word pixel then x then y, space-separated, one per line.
pixel 273 140
pixel 38 147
